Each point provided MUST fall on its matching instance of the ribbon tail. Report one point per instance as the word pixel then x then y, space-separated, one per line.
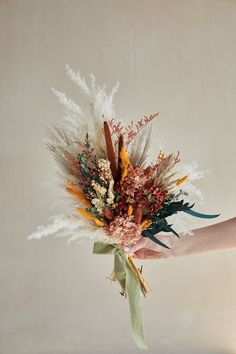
pixel 134 294
pixel 130 285
pixel 200 215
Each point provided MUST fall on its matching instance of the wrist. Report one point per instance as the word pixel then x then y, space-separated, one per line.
pixel 179 246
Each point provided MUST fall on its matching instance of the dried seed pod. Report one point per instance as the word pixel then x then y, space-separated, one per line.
pixel 138 216
pixel 120 146
pixel 108 214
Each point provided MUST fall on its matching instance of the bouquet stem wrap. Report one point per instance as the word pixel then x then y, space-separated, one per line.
pixel 130 284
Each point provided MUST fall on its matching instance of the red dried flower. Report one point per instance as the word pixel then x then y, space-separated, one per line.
pixel 138 190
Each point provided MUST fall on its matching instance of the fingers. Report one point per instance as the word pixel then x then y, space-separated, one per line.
pixel 140 244
pixel 147 249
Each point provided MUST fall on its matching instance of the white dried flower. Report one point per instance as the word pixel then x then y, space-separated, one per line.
pixel 111 196
pixel 104 169
pixel 98 203
pixel 100 190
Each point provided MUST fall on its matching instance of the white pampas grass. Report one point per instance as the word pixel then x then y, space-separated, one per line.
pixel 181 223
pixel 80 81
pixel 77 121
pixel 101 103
pixel 59 223
pixel 72 227
pixel 194 174
pixel 68 103
pixel 191 169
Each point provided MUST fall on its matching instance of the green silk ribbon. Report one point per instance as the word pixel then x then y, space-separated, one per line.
pixel 130 285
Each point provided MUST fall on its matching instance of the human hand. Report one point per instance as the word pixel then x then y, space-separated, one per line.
pixel 208 238
pixel 147 249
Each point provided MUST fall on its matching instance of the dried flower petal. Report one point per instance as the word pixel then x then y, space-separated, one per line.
pixel 124 231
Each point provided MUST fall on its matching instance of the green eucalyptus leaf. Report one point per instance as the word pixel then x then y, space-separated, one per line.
pixel 146 233
pixel 170 208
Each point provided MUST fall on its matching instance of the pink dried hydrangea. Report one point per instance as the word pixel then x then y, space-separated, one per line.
pixel 124 231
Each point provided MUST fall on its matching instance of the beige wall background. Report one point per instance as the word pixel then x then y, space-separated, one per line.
pixel 176 57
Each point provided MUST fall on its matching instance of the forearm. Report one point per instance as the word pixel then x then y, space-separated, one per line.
pixel 210 238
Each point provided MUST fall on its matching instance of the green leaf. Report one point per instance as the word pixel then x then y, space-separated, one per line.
pixel 146 233
pixel 173 231
pixel 200 215
pixel 170 208
pixel 159 225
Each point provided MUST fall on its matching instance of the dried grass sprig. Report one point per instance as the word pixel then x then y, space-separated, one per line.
pixel 77 193
pixel 139 147
pixel 162 179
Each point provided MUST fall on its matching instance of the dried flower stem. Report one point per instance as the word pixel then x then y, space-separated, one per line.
pixel 143 284
pixel 90 216
pixel 138 216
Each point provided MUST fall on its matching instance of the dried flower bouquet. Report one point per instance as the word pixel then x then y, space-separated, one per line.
pixel 118 198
